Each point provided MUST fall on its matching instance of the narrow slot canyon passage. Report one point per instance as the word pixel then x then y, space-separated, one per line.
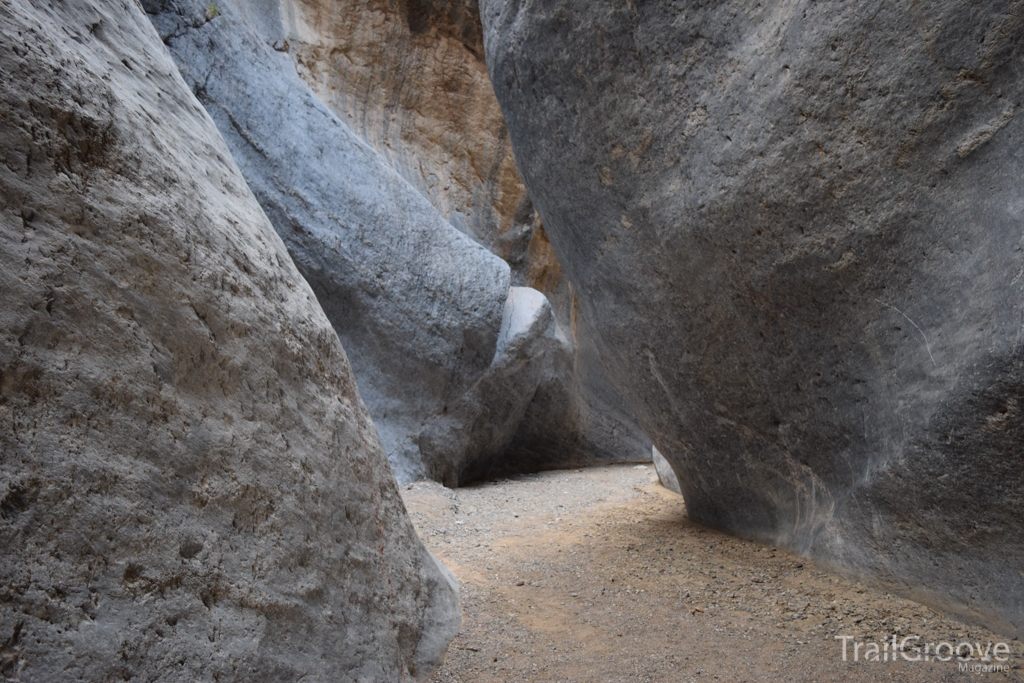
pixel 597 576
pixel 269 269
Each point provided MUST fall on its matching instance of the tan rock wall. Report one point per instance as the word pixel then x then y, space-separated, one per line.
pixel 409 78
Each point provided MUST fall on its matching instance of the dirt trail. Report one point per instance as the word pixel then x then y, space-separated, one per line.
pixel 596 576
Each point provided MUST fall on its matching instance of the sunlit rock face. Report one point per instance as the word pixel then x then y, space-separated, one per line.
pixel 666 475
pixel 797 229
pixel 190 486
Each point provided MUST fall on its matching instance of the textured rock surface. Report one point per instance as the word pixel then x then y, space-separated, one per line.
pixel 417 304
pixel 577 417
pixel 190 487
pixel 409 77
pixel 798 228
pixel 482 424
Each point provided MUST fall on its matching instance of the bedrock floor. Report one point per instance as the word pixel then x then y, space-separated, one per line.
pixel 596 576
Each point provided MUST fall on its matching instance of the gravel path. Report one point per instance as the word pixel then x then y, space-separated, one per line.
pixel 597 576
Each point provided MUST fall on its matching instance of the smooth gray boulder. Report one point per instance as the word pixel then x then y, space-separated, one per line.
pixel 484 421
pixel 796 228
pixel 416 303
pixel 190 486
pixel 577 417
pixel 534 409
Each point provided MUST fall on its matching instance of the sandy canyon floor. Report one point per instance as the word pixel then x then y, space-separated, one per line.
pixel 597 576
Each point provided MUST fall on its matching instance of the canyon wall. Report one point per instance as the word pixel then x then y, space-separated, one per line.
pixel 418 304
pixel 797 229
pixel 409 77
pixel 190 486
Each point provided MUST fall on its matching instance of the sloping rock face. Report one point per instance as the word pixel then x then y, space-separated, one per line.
pixel 490 416
pixel 577 417
pixel 190 486
pixel 417 304
pixel 798 230
pixel 408 76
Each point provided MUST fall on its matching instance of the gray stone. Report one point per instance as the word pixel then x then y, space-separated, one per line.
pixel 483 422
pixel 797 230
pixel 666 476
pixel 190 486
pixel 576 417
pixel 417 304
pixel 410 79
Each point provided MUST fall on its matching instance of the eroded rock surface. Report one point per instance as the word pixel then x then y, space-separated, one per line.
pixel 417 304
pixel 190 486
pixel 483 423
pixel 797 229
pixel 409 77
